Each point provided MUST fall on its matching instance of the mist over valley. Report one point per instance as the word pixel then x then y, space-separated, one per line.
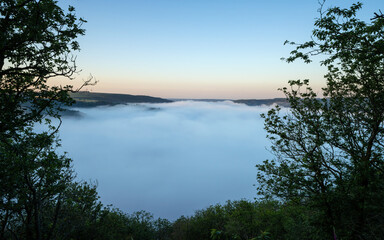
pixel 167 158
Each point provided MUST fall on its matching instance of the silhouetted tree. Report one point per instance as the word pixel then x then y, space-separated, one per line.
pixel 329 151
pixel 36 41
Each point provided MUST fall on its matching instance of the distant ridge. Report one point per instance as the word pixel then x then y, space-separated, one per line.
pixel 258 102
pixel 92 99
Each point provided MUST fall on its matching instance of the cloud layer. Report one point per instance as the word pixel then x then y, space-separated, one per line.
pixel 169 159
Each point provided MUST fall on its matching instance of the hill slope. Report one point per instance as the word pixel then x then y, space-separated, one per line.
pixel 258 102
pixel 91 99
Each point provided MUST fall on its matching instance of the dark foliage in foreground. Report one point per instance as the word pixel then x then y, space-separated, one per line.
pixel 329 153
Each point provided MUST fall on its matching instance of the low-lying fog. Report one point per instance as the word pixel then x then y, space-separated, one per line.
pixel 169 159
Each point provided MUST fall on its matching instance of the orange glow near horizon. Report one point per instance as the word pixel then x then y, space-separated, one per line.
pixel 209 88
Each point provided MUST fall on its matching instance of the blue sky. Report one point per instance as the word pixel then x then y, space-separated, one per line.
pixel 197 48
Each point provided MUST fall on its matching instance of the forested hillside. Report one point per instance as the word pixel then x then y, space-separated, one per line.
pixel 92 99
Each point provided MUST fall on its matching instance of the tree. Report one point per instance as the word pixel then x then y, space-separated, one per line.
pixel 329 151
pixel 33 180
pixel 37 38
pixel 36 41
pixel 245 220
pixel 163 229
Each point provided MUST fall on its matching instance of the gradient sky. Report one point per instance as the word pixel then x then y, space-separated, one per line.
pixel 197 48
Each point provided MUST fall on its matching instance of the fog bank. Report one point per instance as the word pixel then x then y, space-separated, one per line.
pixel 169 159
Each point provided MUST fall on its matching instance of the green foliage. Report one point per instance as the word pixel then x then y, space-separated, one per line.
pixel 244 220
pixel 39 197
pixel 36 183
pixel 36 40
pixel 79 212
pixel 33 178
pixel 163 229
pixel 329 151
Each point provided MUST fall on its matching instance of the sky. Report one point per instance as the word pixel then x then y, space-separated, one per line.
pixel 227 49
